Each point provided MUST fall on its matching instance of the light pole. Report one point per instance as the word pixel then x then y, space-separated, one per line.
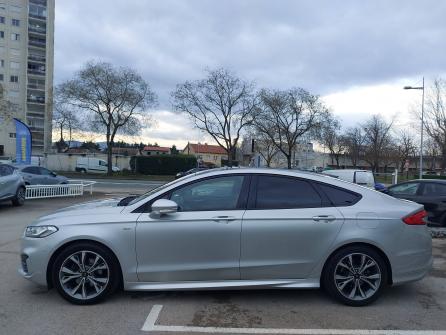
pixel 422 123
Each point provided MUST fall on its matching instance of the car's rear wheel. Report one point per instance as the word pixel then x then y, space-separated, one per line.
pixel 19 199
pixel 355 275
pixel 85 273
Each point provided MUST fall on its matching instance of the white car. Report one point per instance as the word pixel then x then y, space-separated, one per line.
pixel 93 165
pixel 360 177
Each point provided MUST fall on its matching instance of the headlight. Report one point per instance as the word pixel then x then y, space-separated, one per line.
pixel 40 231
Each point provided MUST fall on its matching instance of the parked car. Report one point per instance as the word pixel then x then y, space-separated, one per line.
pixel 37 175
pixel 12 185
pixel 360 177
pixel 233 228
pixel 429 192
pixel 93 165
pixel 194 170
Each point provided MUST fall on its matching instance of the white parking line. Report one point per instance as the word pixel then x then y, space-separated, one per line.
pixel 151 326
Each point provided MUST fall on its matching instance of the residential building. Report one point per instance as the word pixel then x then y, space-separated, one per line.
pixel 211 155
pixel 26 70
pixel 154 150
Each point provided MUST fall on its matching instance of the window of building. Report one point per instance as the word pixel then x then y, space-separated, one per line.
pixel 2 34
pixel 15 52
pixel 15 22
pixel 12 135
pixel 14 79
pixel 2 63
pixel 274 192
pixel 15 65
pixel 1 77
pixel 15 37
pixel 2 19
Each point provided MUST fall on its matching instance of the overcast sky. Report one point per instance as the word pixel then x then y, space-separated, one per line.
pixel 356 54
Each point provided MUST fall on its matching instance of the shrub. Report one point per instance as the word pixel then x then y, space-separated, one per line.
pixel 162 164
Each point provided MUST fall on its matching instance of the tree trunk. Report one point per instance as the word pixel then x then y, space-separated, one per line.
pixel 288 158
pixel 109 159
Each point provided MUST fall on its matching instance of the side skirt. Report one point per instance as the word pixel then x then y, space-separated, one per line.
pixel 223 284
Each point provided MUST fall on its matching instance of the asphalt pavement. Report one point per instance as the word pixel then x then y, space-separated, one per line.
pixel 28 309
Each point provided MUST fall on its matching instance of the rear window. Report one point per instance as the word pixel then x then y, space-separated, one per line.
pixel 339 196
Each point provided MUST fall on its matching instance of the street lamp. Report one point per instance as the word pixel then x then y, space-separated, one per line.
pixel 422 123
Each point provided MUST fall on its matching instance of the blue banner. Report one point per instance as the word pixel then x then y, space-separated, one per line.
pixel 23 143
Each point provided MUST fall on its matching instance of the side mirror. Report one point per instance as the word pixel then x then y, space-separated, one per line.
pixel 164 206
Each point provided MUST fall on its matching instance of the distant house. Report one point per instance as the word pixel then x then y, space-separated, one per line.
pixel 125 151
pixel 155 150
pixel 207 154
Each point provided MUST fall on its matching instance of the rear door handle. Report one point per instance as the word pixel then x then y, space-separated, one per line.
pixel 324 218
pixel 223 218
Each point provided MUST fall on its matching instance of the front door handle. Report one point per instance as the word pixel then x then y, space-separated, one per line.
pixel 324 218
pixel 223 218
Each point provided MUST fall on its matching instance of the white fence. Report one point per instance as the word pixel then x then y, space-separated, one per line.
pixel 74 188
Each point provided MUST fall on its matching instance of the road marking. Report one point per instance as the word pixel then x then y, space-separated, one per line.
pixel 151 326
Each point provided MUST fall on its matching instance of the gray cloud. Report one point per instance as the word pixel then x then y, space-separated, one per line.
pixel 324 46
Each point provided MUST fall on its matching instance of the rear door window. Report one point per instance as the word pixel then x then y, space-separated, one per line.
pixel 276 192
pixel 32 170
pixel 434 189
pixel 5 170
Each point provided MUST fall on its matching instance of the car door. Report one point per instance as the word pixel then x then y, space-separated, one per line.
pixel 47 176
pixel 201 241
pixel 32 175
pixel 287 228
pixel 8 181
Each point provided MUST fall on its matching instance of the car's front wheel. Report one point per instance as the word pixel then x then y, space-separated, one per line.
pixel 19 199
pixel 355 275
pixel 85 273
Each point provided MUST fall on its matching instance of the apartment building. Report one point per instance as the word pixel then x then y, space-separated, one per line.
pixel 26 70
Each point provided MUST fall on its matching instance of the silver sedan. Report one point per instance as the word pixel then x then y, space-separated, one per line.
pixel 233 228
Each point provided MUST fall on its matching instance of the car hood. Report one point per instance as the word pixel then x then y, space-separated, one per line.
pixel 82 213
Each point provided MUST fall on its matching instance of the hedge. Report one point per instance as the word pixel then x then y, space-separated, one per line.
pixel 162 164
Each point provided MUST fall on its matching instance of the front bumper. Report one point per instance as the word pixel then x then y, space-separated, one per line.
pixel 35 254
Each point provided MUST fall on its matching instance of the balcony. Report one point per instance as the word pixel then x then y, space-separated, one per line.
pixel 36 72
pixel 36 99
pixel 37 30
pixel 36 87
pixel 37 42
pixel 37 58
pixel 38 2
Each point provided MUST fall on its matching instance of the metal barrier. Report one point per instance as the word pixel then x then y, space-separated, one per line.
pixel 74 188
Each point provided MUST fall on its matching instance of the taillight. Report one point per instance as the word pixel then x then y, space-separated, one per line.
pixel 416 219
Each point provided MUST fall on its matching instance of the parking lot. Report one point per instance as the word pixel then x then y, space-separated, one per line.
pixel 28 309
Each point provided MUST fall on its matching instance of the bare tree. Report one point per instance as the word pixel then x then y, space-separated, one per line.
pixel 65 117
pixel 115 100
pixel 435 116
pixel 7 108
pixel 286 116
pixel 405 148
pixel 220 104
pixel 265 147
pixel 377 139
pixel 354 144
pixel 330 136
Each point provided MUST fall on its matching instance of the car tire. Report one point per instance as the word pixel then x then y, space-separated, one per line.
pixel 355 275
pixel 75 278
pixel 19 199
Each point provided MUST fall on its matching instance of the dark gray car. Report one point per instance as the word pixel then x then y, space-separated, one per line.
pixel 12 185
pixel 37 175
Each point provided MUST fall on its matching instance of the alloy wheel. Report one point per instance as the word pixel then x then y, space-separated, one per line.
pixel 84 275
pixel 357 276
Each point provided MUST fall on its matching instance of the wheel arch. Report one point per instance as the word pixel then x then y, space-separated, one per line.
pixel 364 244
pixel 56 252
